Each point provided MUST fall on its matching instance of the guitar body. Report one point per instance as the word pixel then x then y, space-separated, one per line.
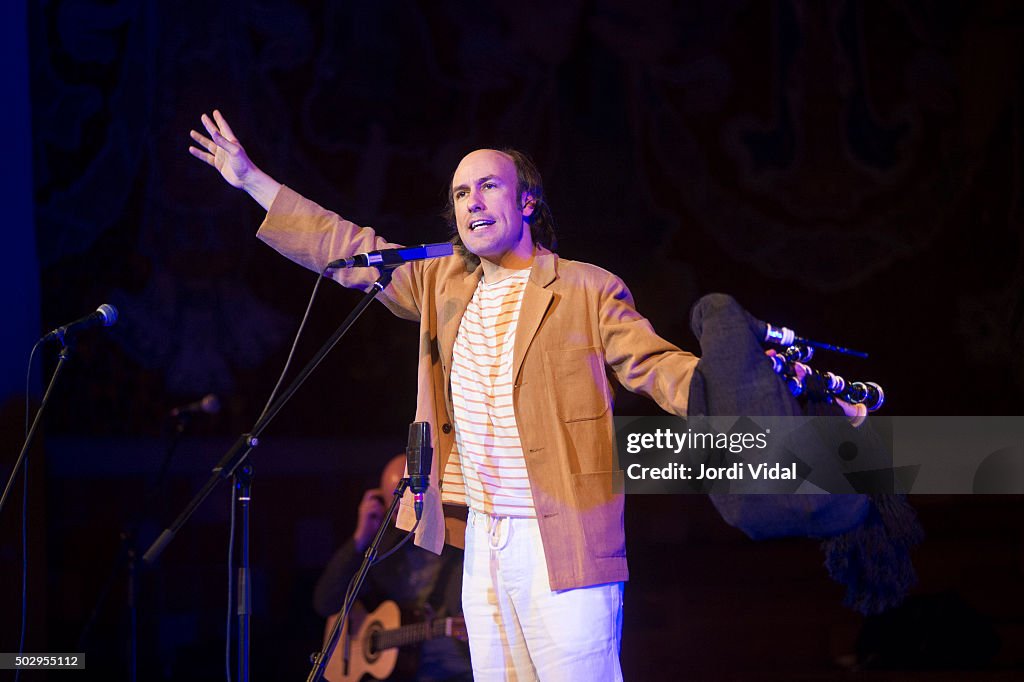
pixel 362 659
pixel 374 649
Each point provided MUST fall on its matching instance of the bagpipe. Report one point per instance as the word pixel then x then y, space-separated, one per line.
pixel 805 381
pixel 866 538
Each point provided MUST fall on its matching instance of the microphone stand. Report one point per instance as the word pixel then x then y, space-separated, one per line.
pixel 237 454
pixel 180 424
pixel 127 557
pixel 243 486
pixel 65 354
pixel 320 659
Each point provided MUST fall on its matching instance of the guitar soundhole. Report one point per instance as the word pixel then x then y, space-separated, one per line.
pixel 370 651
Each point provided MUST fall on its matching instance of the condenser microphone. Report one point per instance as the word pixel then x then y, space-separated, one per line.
pixel 418 455
pixel 104 316
pixel 393 257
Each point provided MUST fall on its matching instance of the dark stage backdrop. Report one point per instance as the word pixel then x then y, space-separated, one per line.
pixel 850 170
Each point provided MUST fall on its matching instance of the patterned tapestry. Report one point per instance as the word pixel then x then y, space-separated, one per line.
pixel 851 170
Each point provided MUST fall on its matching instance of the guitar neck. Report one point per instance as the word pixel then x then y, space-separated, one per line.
pixel 412 634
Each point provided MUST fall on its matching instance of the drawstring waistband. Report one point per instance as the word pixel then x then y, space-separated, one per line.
pixel 496 538
pixel 494 534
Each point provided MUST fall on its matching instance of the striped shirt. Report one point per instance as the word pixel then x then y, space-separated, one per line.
pixel 487 470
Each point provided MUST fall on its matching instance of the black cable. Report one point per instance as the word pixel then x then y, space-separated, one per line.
pixel 346 603
pixel 24 517
pixel 231 587
pixel 295 343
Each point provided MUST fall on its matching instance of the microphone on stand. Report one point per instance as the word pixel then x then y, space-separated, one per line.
pixel 105 316
pixel 418 456
pixel 393 257
pixel 209 404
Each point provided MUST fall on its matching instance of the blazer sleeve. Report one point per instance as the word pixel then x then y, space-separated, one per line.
pixel 642 361
pixel 310 235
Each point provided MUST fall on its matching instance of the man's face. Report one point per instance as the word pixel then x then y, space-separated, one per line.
pixel 488 212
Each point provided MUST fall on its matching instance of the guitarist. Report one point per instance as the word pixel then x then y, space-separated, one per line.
pixel 423 584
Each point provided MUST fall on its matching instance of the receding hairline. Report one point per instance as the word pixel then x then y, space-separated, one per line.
pixel 488 149
pixel 506 155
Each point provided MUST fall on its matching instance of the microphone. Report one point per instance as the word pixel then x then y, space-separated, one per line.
pixel 209 404
pixel 385 258
pixel 783 336
pixel 418 456
pixel 105 316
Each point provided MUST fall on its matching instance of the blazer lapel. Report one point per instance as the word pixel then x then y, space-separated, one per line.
pixel 536 300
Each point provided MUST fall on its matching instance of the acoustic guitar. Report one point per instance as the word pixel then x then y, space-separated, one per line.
pixel 374 649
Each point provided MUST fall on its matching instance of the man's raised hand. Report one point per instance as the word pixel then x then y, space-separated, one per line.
pixel 223 151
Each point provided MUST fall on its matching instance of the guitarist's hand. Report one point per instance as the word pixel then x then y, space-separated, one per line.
pixel 371 514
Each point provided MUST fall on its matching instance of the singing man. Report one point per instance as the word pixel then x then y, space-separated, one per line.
pixel 519 352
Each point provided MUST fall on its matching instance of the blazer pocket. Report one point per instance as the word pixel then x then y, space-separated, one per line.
pixel 578 383
pixel 600 512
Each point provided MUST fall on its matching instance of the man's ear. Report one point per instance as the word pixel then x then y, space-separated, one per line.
pixel 529 204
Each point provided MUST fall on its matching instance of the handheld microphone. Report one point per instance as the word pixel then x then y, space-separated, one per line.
pixel 209 404
pixel 418 456
pixel 105 316
pixel 392 257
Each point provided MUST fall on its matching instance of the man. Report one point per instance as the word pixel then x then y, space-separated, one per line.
pixel 422 584
pixel 517 348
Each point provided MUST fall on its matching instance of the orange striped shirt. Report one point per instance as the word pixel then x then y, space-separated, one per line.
pixel 486 469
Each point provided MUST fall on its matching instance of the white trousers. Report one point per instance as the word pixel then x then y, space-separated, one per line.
pixel 519 630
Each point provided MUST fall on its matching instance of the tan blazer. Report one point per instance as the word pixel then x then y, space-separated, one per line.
pixel 577 329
